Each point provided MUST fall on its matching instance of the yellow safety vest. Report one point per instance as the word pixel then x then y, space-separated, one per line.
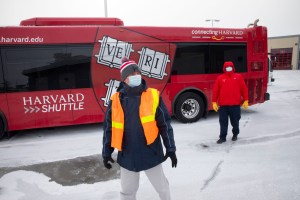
pixel 148 106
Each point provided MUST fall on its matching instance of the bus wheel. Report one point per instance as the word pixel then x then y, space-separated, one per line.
pixel 189 107
pixel 2 132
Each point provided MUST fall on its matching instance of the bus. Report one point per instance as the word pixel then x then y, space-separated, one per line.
pixel 62 71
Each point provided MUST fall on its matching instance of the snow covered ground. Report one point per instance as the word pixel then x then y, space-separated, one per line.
pixel 262 165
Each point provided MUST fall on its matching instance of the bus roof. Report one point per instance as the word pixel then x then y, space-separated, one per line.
pixel 71 21
pixel 84 30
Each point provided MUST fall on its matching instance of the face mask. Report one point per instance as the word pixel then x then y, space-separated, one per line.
pixel 228 69
pixel 135 80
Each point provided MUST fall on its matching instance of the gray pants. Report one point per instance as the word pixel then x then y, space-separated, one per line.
pixel 130 183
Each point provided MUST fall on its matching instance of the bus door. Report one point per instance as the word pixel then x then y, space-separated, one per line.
pixel 36 86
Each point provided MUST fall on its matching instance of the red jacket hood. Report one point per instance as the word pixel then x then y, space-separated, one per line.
pixel 227 64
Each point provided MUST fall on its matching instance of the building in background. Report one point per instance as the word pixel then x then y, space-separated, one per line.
pixel 284 51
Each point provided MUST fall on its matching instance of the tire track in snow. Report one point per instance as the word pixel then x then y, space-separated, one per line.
pixel 214 174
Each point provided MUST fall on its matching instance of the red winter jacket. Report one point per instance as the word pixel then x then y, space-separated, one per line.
pixel 230 88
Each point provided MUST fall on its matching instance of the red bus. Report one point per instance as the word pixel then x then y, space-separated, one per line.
pixel 62 71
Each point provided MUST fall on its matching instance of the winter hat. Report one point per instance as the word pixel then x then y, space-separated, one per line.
pixel 128 67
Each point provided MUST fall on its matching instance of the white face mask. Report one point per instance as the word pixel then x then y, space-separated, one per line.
pixel 228 69
pixel 134 80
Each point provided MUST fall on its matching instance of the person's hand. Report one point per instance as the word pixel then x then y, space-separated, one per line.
pixel 215 106
pixel 106 163
pixel 245 104
pixel 173 157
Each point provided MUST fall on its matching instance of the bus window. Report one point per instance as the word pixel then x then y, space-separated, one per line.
pixel 204 58
pixel 219 53
pixel 81 69
pixel 22 67
pixel 190 58
pixel 2 85
pixel 36 68
pixel 3 103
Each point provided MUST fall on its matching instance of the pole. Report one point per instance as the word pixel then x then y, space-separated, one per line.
pixel 105 7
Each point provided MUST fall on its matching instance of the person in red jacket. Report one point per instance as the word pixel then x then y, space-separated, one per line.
pixel 229 92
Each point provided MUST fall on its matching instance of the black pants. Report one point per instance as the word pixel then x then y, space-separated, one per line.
pixel 234 114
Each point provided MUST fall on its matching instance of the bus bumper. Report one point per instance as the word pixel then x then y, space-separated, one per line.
pixel 267 96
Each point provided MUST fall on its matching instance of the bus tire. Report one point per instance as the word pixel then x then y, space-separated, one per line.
pixel 2 131
pixel 189 107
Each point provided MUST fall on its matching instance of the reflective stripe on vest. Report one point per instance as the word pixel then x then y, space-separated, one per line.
pixel 148 106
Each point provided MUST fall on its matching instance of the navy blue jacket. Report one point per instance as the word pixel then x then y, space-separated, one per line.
pixel 136 155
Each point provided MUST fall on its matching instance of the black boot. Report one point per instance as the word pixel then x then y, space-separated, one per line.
pixel 221 140
pixel 234 138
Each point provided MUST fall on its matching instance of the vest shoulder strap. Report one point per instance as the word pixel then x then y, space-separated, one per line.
pixel 115 95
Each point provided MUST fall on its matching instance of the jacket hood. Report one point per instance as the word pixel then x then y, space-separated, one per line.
pixel 227 64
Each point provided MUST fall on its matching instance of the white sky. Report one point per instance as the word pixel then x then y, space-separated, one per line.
pixel 263 164
pixel 279 16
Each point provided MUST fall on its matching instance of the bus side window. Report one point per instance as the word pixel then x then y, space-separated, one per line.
pixel 220 52
pixel 190 58
pixel 27 68
pixel 80 67
pixel 2 85
pixel 36 68
pixel 204 58
pixel 66 80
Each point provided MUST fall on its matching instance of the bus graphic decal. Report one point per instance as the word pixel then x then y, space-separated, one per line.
pixel 31 109
pixel 53 103
pixel 153 63
pixel 112 51
pixel 112 87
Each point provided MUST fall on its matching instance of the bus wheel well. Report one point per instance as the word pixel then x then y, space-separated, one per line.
pixel 190 106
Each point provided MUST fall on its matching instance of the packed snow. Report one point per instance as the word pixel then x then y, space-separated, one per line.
pixel 263 164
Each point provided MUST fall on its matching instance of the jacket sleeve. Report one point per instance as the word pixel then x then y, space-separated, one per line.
pixel 107 150
pixel 163 121
pixel 244 89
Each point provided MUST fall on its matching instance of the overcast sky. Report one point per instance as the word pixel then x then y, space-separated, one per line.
pixel 280 16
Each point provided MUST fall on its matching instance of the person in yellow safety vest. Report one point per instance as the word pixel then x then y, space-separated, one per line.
pixel 136 120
